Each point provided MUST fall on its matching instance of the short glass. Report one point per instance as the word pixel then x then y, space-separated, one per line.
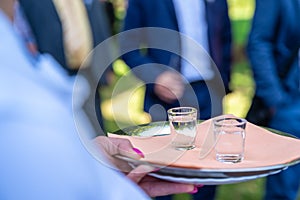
pixel 229 135
pixel 183 124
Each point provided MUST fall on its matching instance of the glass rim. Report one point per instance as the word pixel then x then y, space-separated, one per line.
pixel 182 110
pixel 238 121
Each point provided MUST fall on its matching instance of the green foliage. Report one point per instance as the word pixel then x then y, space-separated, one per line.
pixel 251 190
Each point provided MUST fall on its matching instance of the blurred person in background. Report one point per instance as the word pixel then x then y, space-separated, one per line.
pixel 273 52
pixel 170 79
pixel 110 11
pixel 69 30
pixel 41 154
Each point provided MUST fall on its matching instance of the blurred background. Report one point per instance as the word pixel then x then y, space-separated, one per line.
pixel 126 99
pixel 123 103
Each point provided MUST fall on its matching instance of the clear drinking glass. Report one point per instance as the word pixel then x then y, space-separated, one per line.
pixel 183 124
pixel 229 135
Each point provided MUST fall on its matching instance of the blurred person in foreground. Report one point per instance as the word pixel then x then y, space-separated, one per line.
pixel 186 62
pixel 273 52
pixel 41 154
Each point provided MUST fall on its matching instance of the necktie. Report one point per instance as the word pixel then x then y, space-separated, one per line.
pixel 77 34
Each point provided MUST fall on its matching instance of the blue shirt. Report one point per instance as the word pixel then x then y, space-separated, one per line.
pixel 192 24
pixel 41 154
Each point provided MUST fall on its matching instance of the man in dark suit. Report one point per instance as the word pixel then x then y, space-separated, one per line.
pixel 158 56
pixel 47 28
pixel 273 52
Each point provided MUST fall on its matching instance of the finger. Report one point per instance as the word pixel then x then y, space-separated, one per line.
pixel 162 188
pixel 137 174
pixel 125 148
pixel 113 146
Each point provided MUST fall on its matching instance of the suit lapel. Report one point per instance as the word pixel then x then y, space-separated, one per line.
pixel 99 21
pixel 295 17
pixel 171 10
pixel 297 13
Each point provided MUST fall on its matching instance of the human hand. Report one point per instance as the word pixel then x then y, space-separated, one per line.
pixel 117 146
pixel 169 86
pixel 157 187
pixel 152 186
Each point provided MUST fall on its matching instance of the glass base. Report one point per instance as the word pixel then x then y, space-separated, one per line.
pixel 229 158
pixel 185 148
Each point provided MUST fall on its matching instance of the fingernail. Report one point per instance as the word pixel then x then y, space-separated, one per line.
pixel 199 186
pixel 194 191
pixel 138 152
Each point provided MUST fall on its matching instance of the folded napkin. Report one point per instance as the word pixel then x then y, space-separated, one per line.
pixel 262 149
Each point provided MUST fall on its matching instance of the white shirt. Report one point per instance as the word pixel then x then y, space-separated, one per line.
pixel 192 24
pixel 41 154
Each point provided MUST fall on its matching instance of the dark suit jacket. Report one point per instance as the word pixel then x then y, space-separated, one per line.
pixel 161 13
pixel 47 28
pixel 274 38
